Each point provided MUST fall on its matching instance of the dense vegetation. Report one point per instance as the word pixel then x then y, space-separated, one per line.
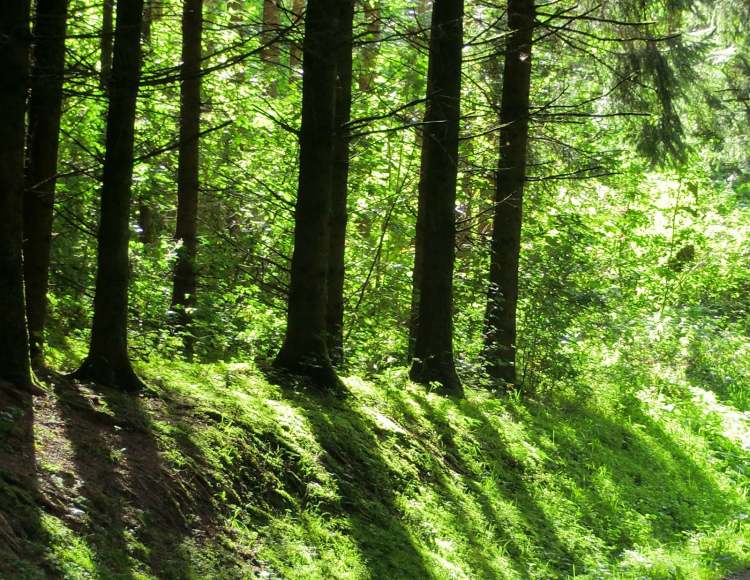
pixel 378 288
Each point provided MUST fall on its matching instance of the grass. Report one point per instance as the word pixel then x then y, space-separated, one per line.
pixel 217 472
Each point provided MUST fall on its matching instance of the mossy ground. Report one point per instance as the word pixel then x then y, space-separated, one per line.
pixel 217 472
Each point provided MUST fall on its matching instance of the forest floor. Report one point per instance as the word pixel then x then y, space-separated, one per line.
pixel 217 471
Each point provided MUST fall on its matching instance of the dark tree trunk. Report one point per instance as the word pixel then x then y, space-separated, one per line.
pixel 14 58
pixel 107 362
pixel 304 350
pixel 106 41
pixel 149 222
pixel 433 348
pixel 416 278
pixel 339 190
pixel 183 291
pixel 416 87
pixel 45 104
pixel 500 318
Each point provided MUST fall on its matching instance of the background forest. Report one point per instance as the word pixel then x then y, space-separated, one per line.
pixel 406 294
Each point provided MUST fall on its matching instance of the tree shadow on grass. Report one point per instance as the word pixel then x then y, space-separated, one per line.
pixel 513 485
pixel 630 481
pixel 22 534
pixel 367 486
pixel 127 502
pixel 630 469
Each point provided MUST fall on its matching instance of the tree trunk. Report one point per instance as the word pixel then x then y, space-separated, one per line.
pixel 416 278
pixel 295 52
pixel 271 51
pixel 107 362
pixel 152 11
pixel 149 222
pixel 304 350
pixel 106 41
pixel 45 105
pixel 500 318
pixel 370 50
pixel 339 190
pixel 418 31
pixel 183 291
pixel 14 58
pixel 433 348
pixel 271 26
pixel 416 87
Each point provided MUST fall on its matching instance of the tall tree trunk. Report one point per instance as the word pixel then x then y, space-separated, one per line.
pixel 106 41
pixel 271 26
pixel 107 362
pixel 295 52
pixel 433 347
pixel 418 31
pixel 340 184
pixel 415 87
pixel 370 50
pixel 416 276
pixel 152 11
pixel 500 318
pixel 45 105
pixel 149 217
pixel 183 291
pixel 271 51
pixel 304 350
pixel 14 58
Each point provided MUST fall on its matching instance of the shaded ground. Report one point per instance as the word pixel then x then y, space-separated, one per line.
pixel 216 472
pixel 89 463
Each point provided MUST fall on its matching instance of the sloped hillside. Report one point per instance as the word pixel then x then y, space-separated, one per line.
pixel 219 471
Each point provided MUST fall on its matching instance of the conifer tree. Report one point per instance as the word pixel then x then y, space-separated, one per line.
pixel 305 349
pixel 500 318
pixel 184 285
pixel 340 185
pixel 436 221
pixel 14 58
pixel 45 106
pixel 107 362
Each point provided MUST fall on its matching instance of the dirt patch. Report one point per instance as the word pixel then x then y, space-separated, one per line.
pixel 92 458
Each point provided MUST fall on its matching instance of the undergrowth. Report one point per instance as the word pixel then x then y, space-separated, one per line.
pixel 275 481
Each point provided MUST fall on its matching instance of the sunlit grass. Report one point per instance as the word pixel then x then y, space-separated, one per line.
pixel 395 482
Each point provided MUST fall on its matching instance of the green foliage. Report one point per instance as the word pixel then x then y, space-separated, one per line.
pixel 591 480
pixel 624 451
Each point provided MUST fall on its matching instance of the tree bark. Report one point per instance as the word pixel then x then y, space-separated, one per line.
pixel 45 105
pixel 271 50
pixel 15 365
pixel 186 231
pixel 271 24
pixel 369 50
pixel 305 350
pixel 295 52
pixel 340 184
pixel 105 43
pixel 416 277
pixel 500 317
pixel 416 87
pixel 418 30
pixel 433 347
pixel 107 362
pixel 152 11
